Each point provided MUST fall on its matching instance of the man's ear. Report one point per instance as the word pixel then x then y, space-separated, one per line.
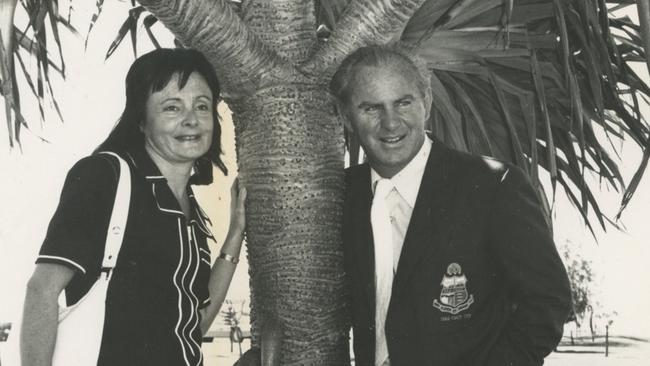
pixel 342 113
pixel 428 100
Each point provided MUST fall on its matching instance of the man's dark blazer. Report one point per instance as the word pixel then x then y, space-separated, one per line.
pixel 478 226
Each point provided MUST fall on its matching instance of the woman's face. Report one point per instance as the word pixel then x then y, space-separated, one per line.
pixel 178 123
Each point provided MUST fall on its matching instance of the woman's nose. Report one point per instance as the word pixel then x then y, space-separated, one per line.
pixel 190 119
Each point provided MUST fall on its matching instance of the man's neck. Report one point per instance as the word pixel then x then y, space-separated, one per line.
pixel 388 172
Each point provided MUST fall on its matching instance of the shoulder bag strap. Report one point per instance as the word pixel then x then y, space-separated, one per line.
pixel 120 212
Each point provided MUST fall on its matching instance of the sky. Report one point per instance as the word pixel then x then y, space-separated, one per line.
pixel 92 98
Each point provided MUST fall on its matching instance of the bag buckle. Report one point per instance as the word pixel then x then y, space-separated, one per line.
pixel 108 271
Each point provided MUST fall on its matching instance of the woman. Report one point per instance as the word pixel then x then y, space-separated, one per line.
pixel 163 294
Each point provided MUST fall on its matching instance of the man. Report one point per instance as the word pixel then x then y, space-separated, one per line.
pixel 451 262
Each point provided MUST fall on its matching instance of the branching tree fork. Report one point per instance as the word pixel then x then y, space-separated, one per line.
pixel 535 82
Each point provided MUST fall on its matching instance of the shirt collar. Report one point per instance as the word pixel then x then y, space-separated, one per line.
pixel 146 166
pixel 163 196
pixel 407 181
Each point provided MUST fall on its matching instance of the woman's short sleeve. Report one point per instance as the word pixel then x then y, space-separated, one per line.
pixel 77 231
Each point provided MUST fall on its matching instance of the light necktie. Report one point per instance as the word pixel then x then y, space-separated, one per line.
pixel 382 233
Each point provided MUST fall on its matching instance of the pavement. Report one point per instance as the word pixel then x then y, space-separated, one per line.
pixel 623 351
pixel 219 352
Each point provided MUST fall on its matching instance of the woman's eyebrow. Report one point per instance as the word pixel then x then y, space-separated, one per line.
pixel 172 99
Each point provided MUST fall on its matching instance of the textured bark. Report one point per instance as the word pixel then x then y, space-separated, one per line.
pixel 290 150
pixel 285 25
pixel 364 22
pixel 290 155
pixel 238 55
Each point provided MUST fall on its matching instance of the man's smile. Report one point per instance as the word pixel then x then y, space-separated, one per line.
pixel 392 140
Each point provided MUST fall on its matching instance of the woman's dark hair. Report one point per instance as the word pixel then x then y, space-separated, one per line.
pixel 150 73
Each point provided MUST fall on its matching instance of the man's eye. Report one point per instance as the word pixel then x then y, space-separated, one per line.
pixel 171 108
pixel 404 103
pixel 371 108
pixel 203 107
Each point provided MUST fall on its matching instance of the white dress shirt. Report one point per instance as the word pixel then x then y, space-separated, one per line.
pixel 399 204
pixel 402 199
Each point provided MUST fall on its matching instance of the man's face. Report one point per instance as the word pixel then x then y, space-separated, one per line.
pixel 387 112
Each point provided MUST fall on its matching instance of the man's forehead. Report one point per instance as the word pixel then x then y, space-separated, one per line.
pixel 395 69
pixel 378 76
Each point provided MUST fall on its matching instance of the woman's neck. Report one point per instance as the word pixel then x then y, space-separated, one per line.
pixel 177 174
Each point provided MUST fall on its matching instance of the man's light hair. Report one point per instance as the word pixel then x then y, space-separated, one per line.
pixel 375 56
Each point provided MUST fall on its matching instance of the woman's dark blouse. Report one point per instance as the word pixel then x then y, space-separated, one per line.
pixel 161 278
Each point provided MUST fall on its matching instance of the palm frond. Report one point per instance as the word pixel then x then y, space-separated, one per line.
pixel 540 92
pixel 148 22
pixel 542 76
pixel 643 7
pixel 43 24
pixel 129 26
pixel 535 82
pixel 7 71
pixel 99 5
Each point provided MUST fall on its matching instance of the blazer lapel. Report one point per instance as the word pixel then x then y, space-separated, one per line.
pixel 430 211
pixel 363 242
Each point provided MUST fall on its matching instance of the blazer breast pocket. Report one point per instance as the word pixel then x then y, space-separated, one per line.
pixel 449 302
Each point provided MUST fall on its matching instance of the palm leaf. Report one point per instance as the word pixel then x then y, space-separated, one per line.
pixel 7 70
pixel 643 7
pixel 43 22
pixel 470 106
pixel 499 84
pixel 543 75
pixel 451 117
pixel 634 183
pixel 99 5
pixel 529 81
pixel 7 90
pixel 53 15
pixel 31 46
pixel 540 91
pixel 130 26
pixel 148 22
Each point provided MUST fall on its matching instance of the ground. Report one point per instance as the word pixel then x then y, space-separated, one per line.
pixel 623 351
pixel 219 353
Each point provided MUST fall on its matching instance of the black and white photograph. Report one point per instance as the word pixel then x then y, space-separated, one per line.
pixel 325 182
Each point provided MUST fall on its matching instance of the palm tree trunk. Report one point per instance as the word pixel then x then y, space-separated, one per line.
pixel 290 154
pixel 290 151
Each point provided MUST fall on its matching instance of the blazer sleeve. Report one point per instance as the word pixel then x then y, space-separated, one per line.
pixel 534 273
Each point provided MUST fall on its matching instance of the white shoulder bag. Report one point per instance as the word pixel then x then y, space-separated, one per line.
pixel 79 335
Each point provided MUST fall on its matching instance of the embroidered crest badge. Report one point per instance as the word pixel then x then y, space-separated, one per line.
pixel 454 297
